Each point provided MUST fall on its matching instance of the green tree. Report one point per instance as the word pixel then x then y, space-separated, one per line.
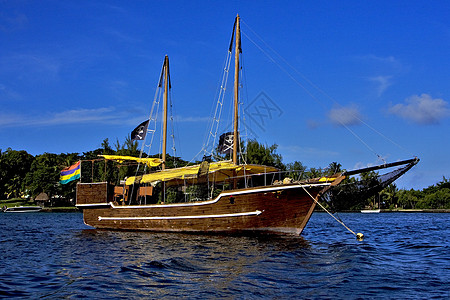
pixel 314 173
pixel 388 196
pixel 437 200
pixel 408 199
pixel 14 166
pixel 369 179
pixel 333 168
pixel 129 147
pixel 106 147
pixel 445 183
pixel 296 170
pixel 436 196
pixel 44 175
pixel 263 155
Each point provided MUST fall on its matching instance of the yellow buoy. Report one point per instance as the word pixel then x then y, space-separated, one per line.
pixel 359 236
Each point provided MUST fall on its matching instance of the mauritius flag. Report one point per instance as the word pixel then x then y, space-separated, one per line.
pixel 71 173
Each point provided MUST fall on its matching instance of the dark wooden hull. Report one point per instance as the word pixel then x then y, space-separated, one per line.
pixel 270 209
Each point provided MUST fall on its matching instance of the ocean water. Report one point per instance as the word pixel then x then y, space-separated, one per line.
pixel 54 256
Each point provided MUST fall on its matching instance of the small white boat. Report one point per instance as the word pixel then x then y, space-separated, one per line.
pixel 22 209
pixel 370 211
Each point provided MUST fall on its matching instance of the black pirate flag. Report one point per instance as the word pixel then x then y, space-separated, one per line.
pixel 139 132
pixel 226 143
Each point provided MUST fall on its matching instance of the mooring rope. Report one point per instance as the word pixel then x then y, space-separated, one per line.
pixel 358 235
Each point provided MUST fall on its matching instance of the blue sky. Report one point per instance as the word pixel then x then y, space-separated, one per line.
pixel 73 73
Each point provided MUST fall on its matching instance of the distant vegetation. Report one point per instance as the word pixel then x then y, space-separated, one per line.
pixel 23 175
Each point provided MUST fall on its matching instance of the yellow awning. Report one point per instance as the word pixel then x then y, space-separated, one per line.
pixel 149 161
pixel 218 171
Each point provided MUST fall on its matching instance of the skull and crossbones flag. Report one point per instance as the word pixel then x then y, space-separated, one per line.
pixel 139 132
pixel 226 143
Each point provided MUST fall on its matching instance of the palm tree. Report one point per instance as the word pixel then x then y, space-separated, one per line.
pixel 388 195
pixel 297 170
pixel 334 168
pixel 314 173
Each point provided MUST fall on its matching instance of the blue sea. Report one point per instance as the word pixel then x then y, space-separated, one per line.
pixel 54 256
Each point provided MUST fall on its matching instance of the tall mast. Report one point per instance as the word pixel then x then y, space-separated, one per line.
pixel 236 90
pixel 166 81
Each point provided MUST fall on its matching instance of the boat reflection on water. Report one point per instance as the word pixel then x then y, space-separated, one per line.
pixel 156 260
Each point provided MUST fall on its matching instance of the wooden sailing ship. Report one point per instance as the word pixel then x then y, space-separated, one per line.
pixel 240 197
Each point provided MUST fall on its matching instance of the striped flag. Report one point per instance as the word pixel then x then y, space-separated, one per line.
pixel 71 173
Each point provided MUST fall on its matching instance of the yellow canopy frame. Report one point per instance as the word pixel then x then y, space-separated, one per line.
pixel 218 171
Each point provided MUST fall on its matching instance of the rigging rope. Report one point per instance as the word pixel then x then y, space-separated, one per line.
pixel 151 127
pixel 211 136
pixel 172 129
pixel 243 77
pixel 151 124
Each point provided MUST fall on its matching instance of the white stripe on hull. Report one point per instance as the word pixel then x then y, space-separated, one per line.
pixel 253 213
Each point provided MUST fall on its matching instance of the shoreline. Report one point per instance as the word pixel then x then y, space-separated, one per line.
pixel 425 210
pixel 398 210
pixel 60 209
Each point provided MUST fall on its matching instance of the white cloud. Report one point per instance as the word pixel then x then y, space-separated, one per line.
pixel 422 109
pixel 105 115
pixel 387 59
pixel 389 62
pixel 344 116
pixel 75 116
pixel 313 124
pixel 383 83
pixel 30 67
pixel 378 67
pixel 8 119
